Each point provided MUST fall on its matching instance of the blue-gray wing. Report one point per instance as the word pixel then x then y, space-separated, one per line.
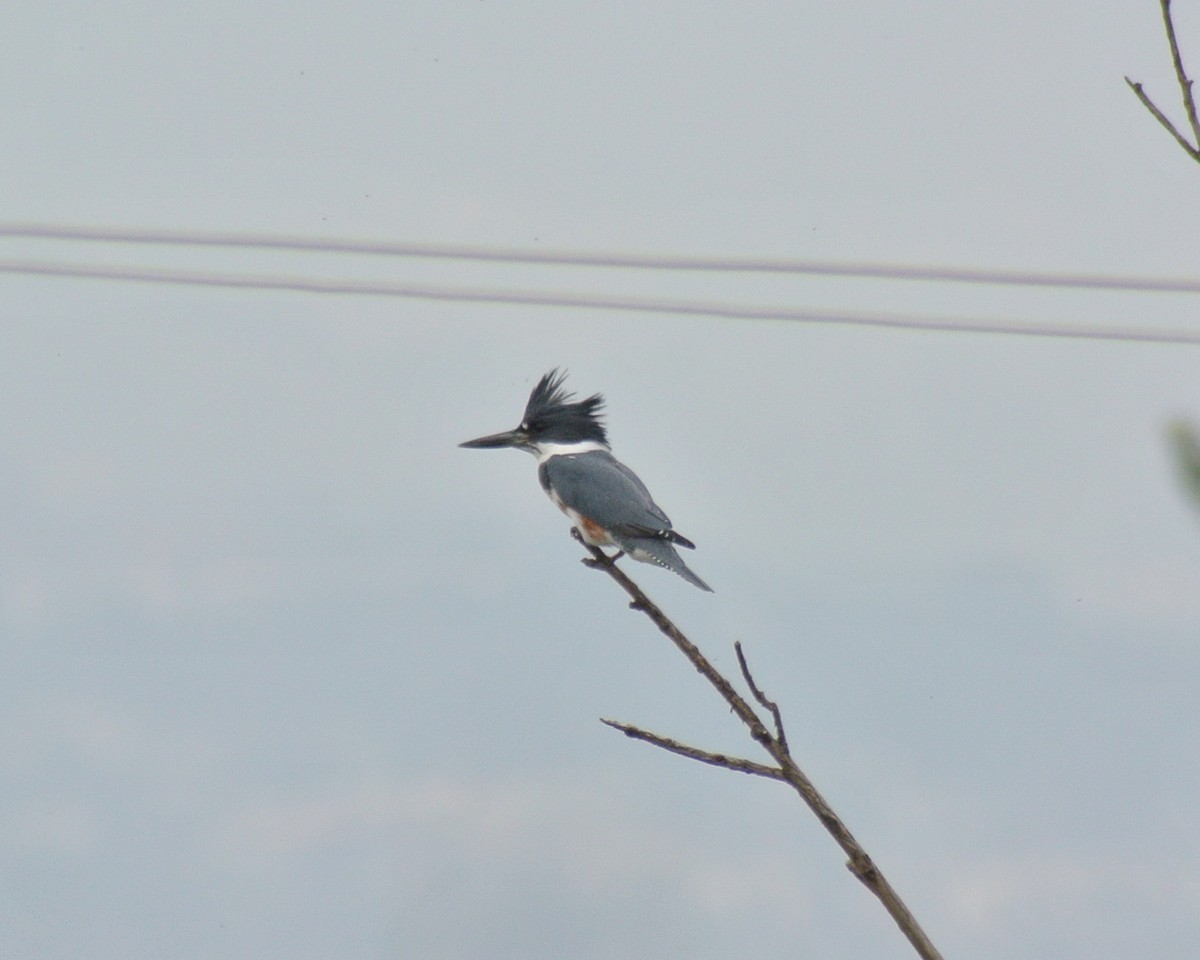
pixel 603 489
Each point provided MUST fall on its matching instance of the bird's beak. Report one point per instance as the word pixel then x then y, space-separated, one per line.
pixel 510 438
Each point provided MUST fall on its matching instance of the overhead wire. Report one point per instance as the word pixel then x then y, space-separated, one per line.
pixel 594 302
pixel 600 259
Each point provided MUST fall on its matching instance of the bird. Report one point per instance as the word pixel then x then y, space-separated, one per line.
pixel 607 503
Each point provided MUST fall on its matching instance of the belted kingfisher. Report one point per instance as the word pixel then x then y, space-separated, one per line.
pixel 607 503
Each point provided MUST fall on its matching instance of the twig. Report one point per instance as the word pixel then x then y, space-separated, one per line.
pixel 736 764
pixel 1161 118
pixel 1185 87
pixel 643 603
pixel 1185 83
pixel 760 696
pixel 859 863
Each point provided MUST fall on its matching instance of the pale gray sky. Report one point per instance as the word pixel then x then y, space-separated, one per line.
pixel 288 675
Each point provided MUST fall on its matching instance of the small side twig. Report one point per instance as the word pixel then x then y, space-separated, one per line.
pixel 1185 88
pixel 737 764
pixel 859 861
pixel 760 696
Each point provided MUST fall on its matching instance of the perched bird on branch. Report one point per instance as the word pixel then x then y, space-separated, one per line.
pixel 608 504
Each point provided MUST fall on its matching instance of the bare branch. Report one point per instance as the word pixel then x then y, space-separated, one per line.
pixel 1185 83
pixel 641 602
pixel 736 764
pixel 860 863
pixel 1185 88
pixel 1162 118
pixel 760 696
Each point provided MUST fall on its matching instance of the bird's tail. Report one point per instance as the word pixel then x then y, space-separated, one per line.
pixel 664 555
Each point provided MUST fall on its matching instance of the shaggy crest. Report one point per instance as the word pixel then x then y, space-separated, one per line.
pixel 550 405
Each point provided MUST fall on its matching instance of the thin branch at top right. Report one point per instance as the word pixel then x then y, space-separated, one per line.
pixel 1192 147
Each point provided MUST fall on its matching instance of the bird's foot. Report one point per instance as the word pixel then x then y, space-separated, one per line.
pixel 603 560
pixel 596 561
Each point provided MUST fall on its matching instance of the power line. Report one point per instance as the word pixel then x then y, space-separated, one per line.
pixel 586 301
pixel 580 258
